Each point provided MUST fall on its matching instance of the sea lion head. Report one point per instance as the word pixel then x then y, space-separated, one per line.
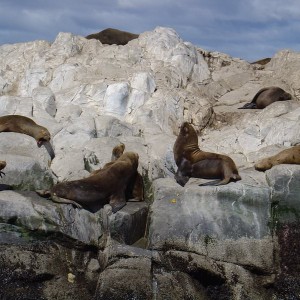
pixel 189 134
pixel 43 138
pixel 286 96
pixel 187 141
pixel 117 151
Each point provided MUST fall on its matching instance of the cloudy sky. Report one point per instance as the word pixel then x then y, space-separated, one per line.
pixel 248 29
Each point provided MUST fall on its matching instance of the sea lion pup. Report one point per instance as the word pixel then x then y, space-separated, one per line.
pixel 135 188
pixel 192 162
pixel 112 36
pixel 266 96
pixel 107 186
pixel 287 156
pixel 25 125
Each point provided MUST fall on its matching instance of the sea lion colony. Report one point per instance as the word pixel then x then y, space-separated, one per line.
pixel 119 181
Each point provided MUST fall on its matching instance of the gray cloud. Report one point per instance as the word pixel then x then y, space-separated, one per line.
pixel 246 29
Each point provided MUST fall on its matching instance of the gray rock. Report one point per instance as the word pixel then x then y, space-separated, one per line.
pixel 28 210
pixel 285 183
pixel 129 224
pixel 27 165
pixel 126 279
pixel 42 269
pixel 227 223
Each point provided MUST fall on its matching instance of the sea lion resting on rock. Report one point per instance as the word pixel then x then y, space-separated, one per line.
pixel 135 188
pixel 22 124
pixel 112 36
pixel 266 96
pixel 287 156
pixel 192 162
pixel 107 186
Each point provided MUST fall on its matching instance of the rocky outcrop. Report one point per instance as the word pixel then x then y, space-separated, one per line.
pixel 225 242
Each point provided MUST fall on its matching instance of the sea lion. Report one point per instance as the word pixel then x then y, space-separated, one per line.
pixel 25 125
pixel 287 156
pixel 117 151
pixel 192 162
pixel 135 188
pixel 266 96
pixel 262 62
pixel 112 36
pixel 107 186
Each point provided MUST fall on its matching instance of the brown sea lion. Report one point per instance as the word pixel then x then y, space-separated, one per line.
pixel 266 96
pixel 287 156
pixel 25 125
pixel 262 62
pixel 192 162
pixel 135 188
pixel 107 186
pixel 117 151
pixel 112 36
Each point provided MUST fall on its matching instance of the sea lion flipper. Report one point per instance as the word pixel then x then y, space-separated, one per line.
pixel 56 199
pixel 117 201
pixel 224 181
pixel 211 183
pixel 250 105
